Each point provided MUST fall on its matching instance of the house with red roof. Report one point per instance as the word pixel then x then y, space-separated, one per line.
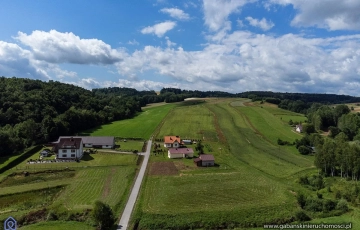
pixel 205 160
pixel 180 152
pixel 172 141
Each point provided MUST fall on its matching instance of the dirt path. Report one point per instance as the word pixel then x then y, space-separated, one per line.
pixel 107 187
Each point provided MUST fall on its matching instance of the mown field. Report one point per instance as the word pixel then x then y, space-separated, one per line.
pixel 105 176
pixel 69 189
pixel 141 126
pixel 253 183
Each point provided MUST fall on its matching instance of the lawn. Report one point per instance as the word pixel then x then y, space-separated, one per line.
pixel 97 159
pixel 141 126
pixel 129 145
pixel 58 225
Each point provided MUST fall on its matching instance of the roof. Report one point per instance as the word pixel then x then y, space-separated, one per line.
pixel 171 139
pixel 94 140
pixel 181 151
pixel 196 160
pixel 207 157
pixel 69 143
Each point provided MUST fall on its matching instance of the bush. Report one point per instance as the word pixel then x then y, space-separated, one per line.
pixel 301 216
pixel 301 199
pixel 303 150
pixel 342 205
pixel 51 216
pixel 314 205
pixel 103 215
pixel 329 205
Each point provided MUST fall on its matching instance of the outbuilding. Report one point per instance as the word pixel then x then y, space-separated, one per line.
pixel 205 160
pixel 180 152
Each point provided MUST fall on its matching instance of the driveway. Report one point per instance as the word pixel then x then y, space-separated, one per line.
pixel 124 220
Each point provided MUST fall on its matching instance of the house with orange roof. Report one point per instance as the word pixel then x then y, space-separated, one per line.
pixel 172 141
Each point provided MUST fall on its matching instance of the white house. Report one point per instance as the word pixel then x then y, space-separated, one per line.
pixel 69 147
pixel 299 128
pixel 180 152
pixel 172 141
pixel 95 142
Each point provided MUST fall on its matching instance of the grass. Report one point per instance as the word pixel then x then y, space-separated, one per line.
pixel 58 225
pixel 249 187
pixel 141 126
pixel 129 145
pixel 189 122
pixel 20 178
pixel 97 159
pixel 107 184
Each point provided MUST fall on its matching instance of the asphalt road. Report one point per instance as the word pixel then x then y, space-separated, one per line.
pixel 124 220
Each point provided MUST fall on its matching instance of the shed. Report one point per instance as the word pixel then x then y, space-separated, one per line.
pixel 205 160
pixel 187 142
pixel 44 153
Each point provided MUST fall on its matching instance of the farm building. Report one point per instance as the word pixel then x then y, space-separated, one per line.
pixel 180 152
pixel 69 147
pixel 187 142
pixel 95 142
pixel 205 160
pixel 172 141
pixel 299 128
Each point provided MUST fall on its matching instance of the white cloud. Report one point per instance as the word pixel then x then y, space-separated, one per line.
pixel 329 14
pixel 16 61
pixel 190 4
pixel 133 42
pixel 159 29
pixel 176 13
pixel 243 61
pixel 169 43
pixel 240 23
pixel 262 24
pixel 57 47
pixel 216 12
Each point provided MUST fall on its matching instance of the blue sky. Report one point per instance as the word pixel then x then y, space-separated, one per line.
pixel 227 45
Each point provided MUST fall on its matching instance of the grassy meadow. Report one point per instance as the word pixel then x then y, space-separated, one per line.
pixel 253 183
pixel 141 126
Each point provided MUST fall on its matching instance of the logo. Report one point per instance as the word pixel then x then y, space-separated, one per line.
pixel 10 224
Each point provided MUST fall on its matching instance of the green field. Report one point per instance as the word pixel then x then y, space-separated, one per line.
pixel 141 126
pixel 129 145
pixel 58 225
pixel 253 183
pixel 189 122
pixel 101 176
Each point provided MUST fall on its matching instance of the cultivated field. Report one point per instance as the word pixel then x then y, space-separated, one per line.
pixel 252 183
pixel 141 126
pixel 68 187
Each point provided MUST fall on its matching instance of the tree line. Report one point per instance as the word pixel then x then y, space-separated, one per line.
pixel 33 111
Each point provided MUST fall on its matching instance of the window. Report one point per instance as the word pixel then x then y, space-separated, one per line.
pixel 72 155
pixel 64 151
pixel 64 155
pixel 73 150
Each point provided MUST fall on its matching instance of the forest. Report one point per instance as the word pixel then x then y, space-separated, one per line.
pixel 36 112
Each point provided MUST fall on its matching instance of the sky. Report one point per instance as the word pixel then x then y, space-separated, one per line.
pixel 207 45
